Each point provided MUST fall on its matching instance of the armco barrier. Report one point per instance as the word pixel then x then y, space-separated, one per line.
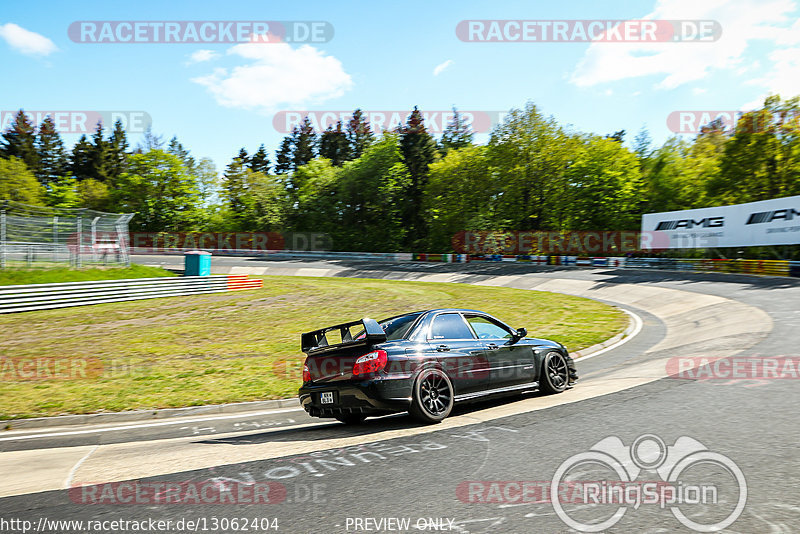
pixel 32 297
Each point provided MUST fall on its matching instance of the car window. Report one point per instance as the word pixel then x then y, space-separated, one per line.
pixel 450 326
pixel 486 329
pixel 398 327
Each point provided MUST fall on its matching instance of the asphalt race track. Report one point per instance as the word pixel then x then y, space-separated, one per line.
pixel 287 470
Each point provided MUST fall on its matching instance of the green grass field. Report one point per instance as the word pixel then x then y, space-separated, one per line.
pixel 236 346
pixel 17 276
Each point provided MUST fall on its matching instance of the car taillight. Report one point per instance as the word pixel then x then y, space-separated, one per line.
pixel 370 363
pixel 306 373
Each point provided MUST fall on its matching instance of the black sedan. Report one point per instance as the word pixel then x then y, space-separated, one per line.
pixel 423 363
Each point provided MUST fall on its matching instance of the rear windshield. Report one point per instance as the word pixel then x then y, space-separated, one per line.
pixel 398 327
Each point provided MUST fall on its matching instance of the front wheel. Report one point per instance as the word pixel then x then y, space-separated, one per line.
pixel 555 373
pixel 433 396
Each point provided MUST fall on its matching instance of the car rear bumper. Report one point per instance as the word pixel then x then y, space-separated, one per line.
pixel 369 397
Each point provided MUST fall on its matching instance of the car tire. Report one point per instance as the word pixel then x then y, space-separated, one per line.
pixel 433 397
pixel 351 418
pixel 555 373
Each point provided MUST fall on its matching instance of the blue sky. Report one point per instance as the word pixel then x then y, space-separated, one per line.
pixel 218 97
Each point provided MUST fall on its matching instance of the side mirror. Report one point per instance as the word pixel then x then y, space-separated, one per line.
pixel 519 334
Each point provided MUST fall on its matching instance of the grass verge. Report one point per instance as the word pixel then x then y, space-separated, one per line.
pixel 64 274
pixel 236 346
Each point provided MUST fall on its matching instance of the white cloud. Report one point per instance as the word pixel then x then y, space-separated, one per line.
pixel 25 41
pixel 741 20
pixel 277 75
pixel 441 66
pixel 699 90
pixel 200 56
pixel 781 79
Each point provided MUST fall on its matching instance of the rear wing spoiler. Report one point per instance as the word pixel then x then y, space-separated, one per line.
pixel 317 341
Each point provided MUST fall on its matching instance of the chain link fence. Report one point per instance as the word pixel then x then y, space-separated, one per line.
pixel 37 236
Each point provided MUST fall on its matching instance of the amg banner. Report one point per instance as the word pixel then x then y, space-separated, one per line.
pixel 767 222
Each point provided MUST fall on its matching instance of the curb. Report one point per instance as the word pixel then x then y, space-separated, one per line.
pixel 145 415
pixel 633 325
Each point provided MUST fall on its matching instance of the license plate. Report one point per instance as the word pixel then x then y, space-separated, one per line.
pixel 326 397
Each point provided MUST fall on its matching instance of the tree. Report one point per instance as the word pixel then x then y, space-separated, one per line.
pixel 283 157
pixel 618 136
pixel 150 141
pixel 333 145
pixel 419 151
pixel 177 149
pixel 19 141
pixel 80 164
pixel 459 195
pixel 158 189
pixel 304 143
pixel 117 146
pixel 18 183
pixel 359 134
pixel 457 134
pixel 51 154
pixel 99 155
pixel 259 162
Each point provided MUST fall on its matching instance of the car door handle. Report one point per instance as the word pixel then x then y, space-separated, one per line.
pixel 491 346
pixel 442 348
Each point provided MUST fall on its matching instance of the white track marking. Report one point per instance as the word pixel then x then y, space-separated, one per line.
pixel 75 467
pixel 148 425
pixel 637 327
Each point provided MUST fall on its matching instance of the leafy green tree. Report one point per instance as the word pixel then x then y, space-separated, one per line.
pixel 63 193
pixel 96 195
pixel 52 155
pixel 18 183
pixel 530 155
pixel 459 195
pixel 159 190
pixel 606 186
pixel 457 134
pixel 19 141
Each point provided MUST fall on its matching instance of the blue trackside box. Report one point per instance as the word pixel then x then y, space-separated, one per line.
pixel 197 263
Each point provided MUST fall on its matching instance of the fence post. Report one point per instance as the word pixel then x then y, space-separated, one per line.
pixel 2 239
pixel 55 239
pixel 80 241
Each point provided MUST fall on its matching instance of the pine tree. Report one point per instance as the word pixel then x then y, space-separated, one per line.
pixel 51 153
pixel 359 134
pixel 304 140
pixel 243 157
pixel 457 134
pixel 419 151
pixel 80 164
pixel 117 152
pixel 177 149
pixel 98 155
pixel 333 145
pixel 284 156
pixel 259 162
pixel 19 140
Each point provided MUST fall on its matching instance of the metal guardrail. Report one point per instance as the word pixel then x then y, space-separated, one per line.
pixel 19 298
